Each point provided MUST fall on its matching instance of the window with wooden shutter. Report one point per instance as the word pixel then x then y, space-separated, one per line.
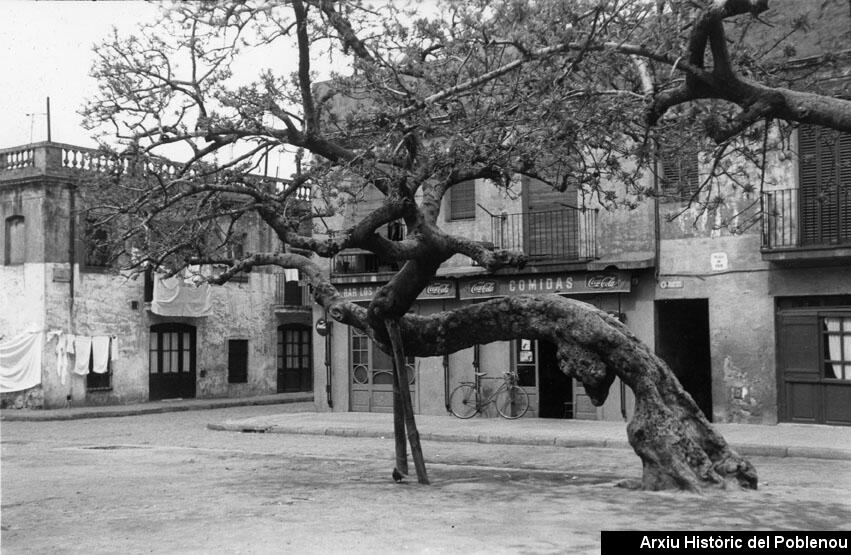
pixel 462 201
pixel 16 241
pixel 824 172
pixel 679 174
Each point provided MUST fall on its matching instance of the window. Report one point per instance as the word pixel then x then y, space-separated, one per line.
pixel 679 174
pixel 525 363
pixel 837 347
pixel 237 361
pixel 371 365
pixel 462 201
pixel 97 247
pixel 824 172
pixel 15 250
pixel 99 382
pixel 293 294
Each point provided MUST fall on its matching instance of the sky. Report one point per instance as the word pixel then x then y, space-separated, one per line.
pixel 46 51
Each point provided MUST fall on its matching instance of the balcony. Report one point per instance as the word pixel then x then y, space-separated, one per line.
pixel 63 161
pixel 810 226
pixel 291 296
pixel 565 234
pixel 358 261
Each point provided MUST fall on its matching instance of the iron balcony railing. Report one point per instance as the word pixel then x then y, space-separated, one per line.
pixel 561 235
pixel 356 261
pixel 796 219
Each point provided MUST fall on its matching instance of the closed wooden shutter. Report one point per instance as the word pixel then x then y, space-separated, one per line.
pixel 824 185
pixel 679 174
pixel 462 201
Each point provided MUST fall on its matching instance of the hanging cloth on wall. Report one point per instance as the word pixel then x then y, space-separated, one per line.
pixel 100 354
pixel 83 350
pixel 113 348
pixel 174 297
pixel 20 361
pixel 62 357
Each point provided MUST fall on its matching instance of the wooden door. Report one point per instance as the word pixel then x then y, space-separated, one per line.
pixel 295 359
pixel 171 362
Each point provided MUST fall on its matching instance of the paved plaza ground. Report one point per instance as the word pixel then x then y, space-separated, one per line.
pixel 165 483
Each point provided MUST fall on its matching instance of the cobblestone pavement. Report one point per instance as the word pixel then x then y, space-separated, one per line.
pixel 164 483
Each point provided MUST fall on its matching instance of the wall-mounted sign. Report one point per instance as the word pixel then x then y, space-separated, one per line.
pixel 438 289
pixel 671 284
pixel 563 284
pixel 718 261
pixel 322 327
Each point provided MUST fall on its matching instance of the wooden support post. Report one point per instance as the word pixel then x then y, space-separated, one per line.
pixel 400 370
pixel 399 425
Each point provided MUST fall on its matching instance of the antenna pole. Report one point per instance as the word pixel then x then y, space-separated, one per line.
pixel 48 119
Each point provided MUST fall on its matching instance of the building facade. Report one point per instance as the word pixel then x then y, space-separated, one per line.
pixel 753 314
pixel 105 339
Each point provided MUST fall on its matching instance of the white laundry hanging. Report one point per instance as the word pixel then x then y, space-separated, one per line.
pixel 100 354
pixel 20 361
pixel 83 350
pixel 62 357
pixel 174 297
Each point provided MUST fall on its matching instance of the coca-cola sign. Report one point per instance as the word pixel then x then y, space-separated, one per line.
pixel 483 287
pixel 439 288
pixel 602 282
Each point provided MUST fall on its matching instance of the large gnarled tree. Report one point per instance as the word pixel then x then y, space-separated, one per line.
pixel 575 94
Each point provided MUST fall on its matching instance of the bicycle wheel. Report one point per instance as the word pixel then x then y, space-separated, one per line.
pixel 512 402
pixel 462 401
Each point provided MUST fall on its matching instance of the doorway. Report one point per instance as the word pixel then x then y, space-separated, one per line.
pixel 556 388
pixel 171 362
pixel 295 361
pixel 682 341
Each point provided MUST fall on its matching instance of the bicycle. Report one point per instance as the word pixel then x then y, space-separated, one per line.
pixel 511 400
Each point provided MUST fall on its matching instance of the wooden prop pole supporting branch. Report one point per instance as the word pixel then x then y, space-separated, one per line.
pixel 400 371
pixel 399 425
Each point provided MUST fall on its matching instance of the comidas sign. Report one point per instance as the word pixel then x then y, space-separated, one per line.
pixel 561 284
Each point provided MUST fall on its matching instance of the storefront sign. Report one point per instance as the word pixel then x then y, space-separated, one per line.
pixel 562 284
pixel 439 289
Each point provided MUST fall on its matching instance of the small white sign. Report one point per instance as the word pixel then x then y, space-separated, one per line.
pixel 671 284
pixel 718 261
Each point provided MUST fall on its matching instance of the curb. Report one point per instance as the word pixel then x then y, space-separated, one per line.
pixel 26 415
pixel 749 449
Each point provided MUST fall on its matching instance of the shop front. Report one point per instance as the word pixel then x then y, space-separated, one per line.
pixel 367 371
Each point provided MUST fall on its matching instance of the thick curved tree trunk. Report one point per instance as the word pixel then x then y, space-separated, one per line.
pixel 676 443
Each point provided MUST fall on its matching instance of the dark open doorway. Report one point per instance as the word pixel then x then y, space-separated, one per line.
pixel 555 389
pixel 682 340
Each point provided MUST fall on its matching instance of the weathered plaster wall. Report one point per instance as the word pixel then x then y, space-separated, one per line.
pixel 26 201
pixel 626 235
pixel 741 319
pixel 240 311
pixel 101 306
pixel 497 200
pixel 22 308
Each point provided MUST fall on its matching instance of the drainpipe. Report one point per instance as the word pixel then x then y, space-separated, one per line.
pixel 446 381
pixel 72 241
pixel 328 344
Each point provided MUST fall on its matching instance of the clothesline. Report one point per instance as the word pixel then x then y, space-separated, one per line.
pixel 21 357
